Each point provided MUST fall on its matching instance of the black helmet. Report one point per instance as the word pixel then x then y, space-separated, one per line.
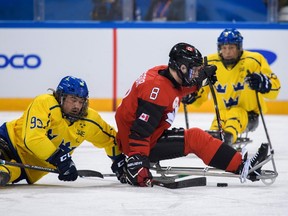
pixel 188 55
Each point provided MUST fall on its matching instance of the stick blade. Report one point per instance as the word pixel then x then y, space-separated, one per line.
pixel 172 183
pixel 90 173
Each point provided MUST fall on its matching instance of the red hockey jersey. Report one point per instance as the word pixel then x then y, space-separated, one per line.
pixel 147 109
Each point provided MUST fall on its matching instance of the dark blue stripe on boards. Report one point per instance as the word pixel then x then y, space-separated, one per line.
pixel 156 25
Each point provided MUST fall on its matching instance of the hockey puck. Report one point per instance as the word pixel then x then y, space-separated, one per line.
pixel 222 184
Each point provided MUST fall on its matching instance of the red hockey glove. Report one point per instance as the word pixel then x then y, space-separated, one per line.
pixel 138 173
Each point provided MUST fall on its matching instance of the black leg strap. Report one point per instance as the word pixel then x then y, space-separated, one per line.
pixel 223 157
pixel 170 145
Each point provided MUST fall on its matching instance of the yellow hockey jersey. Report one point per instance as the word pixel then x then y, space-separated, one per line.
pixel 41 130
pixel 231 89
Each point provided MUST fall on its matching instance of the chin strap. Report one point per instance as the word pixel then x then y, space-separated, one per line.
pixel 70 118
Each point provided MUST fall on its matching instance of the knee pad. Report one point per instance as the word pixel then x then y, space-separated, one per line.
pixel 170 145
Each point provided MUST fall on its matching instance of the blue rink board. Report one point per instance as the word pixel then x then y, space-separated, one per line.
pixel 156 25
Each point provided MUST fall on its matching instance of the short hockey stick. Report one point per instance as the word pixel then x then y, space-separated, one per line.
pixel 215 103
pixel 266 132
pixel 186 116
pixel 262 118
pixel 81 173
pixel 172 182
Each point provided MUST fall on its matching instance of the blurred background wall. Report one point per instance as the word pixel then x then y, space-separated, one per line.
pixel 110 43
pixel 144 10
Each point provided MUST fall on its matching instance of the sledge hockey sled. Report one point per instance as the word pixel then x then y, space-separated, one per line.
pixel 268 177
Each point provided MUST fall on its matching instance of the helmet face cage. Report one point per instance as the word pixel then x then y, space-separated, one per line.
pixel 70 85
pixel 187 55
pixel 230 36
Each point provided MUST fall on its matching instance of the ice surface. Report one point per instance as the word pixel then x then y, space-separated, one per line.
pixel 108 197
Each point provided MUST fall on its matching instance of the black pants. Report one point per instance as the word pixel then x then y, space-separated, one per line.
pixel 170 145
